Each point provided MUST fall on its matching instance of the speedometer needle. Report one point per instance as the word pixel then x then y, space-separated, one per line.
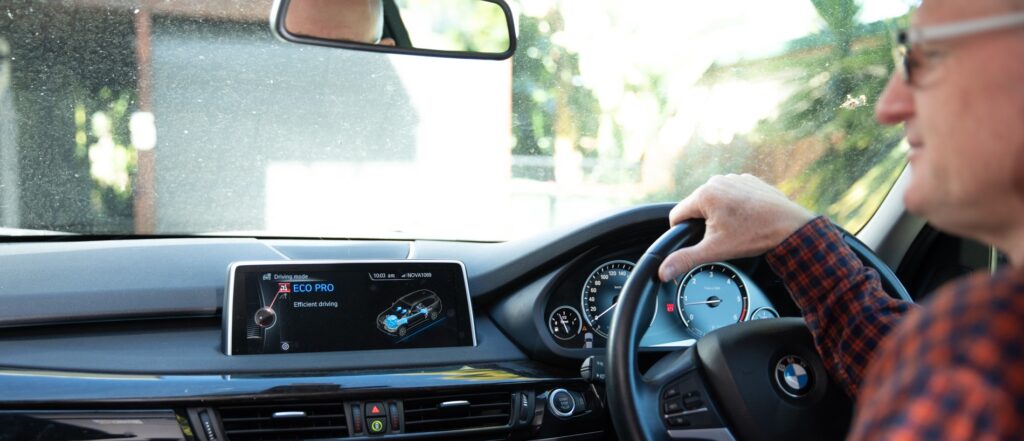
pixel 708 302
pixel 598 317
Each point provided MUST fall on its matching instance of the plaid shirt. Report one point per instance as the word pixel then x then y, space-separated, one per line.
pixel 951 369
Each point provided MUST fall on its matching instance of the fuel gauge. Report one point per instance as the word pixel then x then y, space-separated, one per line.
pixel 564 323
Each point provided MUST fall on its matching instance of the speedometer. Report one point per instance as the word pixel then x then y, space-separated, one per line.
pixel 711 296
pixel 601 294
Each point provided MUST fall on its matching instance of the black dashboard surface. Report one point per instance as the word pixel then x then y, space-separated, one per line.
pixel 152 306
pixel 127 325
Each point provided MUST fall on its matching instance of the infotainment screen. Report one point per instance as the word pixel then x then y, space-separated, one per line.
pixel 286 307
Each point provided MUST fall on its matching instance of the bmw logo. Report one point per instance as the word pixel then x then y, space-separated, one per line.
pixel 793 376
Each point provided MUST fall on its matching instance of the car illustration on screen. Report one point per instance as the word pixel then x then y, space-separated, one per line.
pixel 409 312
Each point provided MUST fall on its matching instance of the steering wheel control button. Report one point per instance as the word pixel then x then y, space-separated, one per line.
pixel 793 376
pixel 670 391
pixel 685 404
pixel 676 421
pixel 561 403
pixel 692 401
pixel 376 426
pixel 673 406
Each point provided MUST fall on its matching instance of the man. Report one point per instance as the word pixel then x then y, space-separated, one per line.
pixel 359 21
pixel 952 368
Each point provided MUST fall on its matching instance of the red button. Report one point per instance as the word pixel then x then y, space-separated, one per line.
pixel 374 409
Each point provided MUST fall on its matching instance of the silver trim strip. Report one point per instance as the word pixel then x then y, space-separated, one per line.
pixel 691 412
pixel 456 403
pixel 721 434
pixel 676 344
pixel 229 291
pixel 290 414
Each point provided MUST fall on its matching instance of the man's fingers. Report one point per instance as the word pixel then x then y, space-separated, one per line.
pixel 684 260
pixel 686 209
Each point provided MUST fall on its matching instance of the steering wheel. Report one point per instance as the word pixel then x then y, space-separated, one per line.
pixel 757 380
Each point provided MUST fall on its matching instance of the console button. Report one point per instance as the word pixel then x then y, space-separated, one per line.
pixel 375 410
pixel 561 403
pixel 376 425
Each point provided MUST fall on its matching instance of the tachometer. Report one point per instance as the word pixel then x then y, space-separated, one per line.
pixel 711 296
pixel 601 294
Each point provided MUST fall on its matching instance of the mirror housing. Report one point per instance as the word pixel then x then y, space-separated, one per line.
pixel 473 29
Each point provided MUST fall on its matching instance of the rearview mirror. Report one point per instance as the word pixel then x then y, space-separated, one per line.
pixel 447 28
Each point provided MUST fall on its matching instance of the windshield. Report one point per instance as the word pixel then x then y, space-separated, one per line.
pixel 189 117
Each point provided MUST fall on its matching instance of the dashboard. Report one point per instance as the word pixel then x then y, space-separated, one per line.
pixel 110 337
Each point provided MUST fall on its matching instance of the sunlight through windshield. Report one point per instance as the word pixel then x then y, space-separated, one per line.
pixel 189 117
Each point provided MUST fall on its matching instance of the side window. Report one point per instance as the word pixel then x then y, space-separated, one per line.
pixel 935 258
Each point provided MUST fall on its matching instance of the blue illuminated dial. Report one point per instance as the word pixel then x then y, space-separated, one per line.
pixel 601 294
pixel 711 296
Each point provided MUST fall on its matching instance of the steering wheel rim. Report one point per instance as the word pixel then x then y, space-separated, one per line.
pixel 729 371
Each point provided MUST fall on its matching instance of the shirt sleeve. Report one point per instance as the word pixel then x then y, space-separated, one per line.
pixel 842 301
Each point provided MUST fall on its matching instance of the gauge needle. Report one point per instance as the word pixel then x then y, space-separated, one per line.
pixel 564 326
pixel 598 317
pixel 708 302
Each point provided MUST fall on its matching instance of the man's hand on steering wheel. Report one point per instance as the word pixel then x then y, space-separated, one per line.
pixel 732 375
pixel 744 217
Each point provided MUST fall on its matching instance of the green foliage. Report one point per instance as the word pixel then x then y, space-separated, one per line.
pixel 829 112
pixel 548 100
pixel 836 75
pixel 102 140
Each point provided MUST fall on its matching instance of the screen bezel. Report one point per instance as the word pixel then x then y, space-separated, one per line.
pixel 227 312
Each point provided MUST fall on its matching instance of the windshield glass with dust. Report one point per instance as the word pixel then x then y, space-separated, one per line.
pixel 189 117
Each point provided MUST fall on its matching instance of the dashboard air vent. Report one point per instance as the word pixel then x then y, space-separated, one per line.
pixel 458 411
pixel 283 421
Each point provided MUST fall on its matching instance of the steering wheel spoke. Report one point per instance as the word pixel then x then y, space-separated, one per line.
pixel 684 404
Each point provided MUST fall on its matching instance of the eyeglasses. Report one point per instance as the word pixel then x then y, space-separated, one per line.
pixel 909 38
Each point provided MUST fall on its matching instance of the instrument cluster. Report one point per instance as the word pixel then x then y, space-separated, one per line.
pixel 710 296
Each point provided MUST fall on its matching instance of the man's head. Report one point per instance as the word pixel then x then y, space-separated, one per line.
pixel 360 21
pixel 964 118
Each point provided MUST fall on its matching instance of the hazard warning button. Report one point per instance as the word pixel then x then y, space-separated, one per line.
pixel 375 410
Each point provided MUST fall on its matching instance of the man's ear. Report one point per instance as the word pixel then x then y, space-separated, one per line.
pixel 387 42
